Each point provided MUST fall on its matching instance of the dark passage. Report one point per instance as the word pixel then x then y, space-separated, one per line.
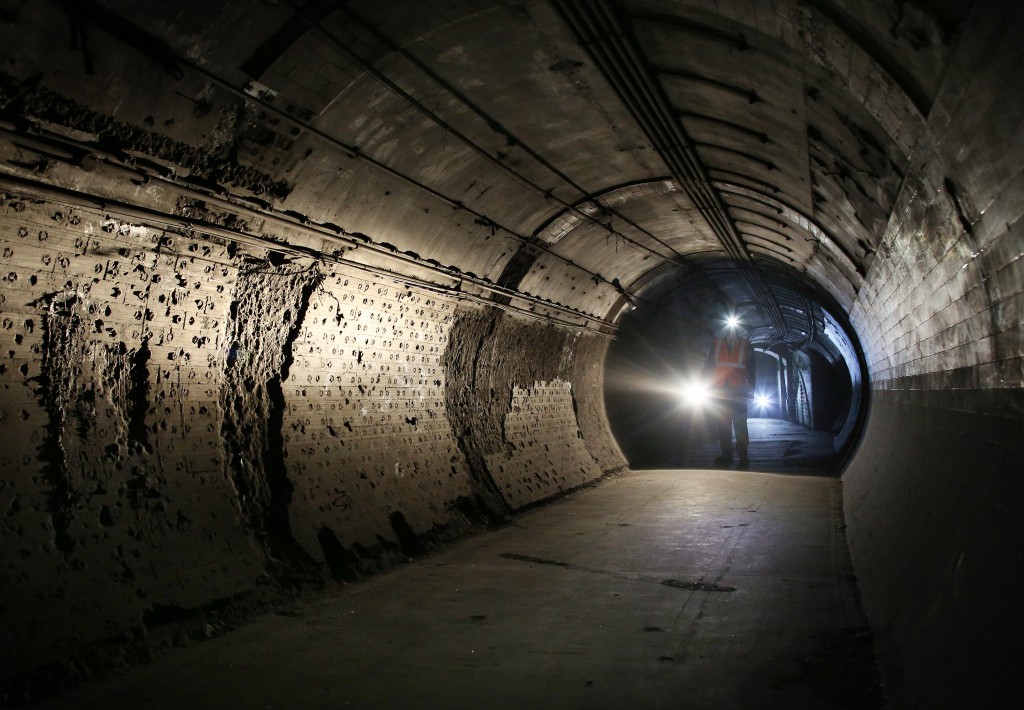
pixel 805 402
pixel 776 445
pixel 308 308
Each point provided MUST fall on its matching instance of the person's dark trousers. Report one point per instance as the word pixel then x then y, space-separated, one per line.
pixel 742 435
pixel 725 432
pixel 733 414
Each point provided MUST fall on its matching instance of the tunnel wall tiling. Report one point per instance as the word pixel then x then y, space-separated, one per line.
pixel 547 454
pixel 114 493
pixel 931 493
pixel 185 419
pixel 199 208
pixel 527 402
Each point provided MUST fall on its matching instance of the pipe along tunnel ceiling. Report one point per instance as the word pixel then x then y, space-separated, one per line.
pixel 562 159
pixel 562 156
pixel 297 288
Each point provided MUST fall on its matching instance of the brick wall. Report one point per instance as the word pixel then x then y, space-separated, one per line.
pixel 931 492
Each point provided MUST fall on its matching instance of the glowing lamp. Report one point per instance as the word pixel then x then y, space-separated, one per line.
pixel 695 393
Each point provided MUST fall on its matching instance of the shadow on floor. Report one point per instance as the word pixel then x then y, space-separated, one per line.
pixel 776 446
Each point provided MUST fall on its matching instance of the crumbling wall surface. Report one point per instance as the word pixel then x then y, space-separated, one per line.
pixel 933 494
pixel 194 426
pixel 544 453
pixel 269 306
pixel 512 395
pixel 116 514
pixel 376 469
pixel 589 403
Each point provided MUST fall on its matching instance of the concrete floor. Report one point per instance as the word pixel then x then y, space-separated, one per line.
pixel 655 589
pixel 776 445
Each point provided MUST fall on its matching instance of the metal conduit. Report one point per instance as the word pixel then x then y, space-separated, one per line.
pixel 610 45
pixel 71 150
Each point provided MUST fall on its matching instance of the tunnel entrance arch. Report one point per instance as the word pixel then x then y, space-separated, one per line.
pixel 811 385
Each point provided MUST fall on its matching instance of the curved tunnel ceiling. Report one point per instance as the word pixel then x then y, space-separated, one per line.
pixel 564 156
pixel 557 159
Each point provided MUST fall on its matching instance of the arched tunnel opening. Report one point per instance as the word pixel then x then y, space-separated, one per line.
pixel 359 330
pixel 812 377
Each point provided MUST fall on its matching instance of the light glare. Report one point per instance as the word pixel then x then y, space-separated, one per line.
pixel 695 393
pixel 762 400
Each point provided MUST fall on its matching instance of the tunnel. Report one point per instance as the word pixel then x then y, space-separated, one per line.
pixel 297 291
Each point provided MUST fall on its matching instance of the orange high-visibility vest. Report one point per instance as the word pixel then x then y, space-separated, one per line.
pixel 730 363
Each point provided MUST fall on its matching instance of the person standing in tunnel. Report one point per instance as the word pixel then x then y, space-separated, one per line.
pixel 733 375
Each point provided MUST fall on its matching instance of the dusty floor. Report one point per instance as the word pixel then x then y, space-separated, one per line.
pixel 656 589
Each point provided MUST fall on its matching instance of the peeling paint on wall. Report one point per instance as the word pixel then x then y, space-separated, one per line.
pixel 95 397
pixel 366 430
pixel 111 488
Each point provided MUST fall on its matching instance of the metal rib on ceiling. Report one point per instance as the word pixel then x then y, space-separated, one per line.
pixel 760 171
pixel 601 30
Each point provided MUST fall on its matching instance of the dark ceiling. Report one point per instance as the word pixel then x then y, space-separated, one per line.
pixel 570 155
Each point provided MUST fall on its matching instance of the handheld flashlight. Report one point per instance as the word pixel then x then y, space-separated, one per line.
pixel 695 393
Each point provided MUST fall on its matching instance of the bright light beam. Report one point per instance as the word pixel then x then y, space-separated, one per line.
pixel 695 393
pixel 732 321
pixel 762 401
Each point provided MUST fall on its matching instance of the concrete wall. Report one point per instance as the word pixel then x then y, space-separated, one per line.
pixel 193 427
pixel 196 419
pixel 933 496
